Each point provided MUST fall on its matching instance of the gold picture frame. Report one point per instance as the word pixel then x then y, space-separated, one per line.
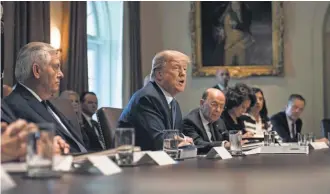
pixel 276 66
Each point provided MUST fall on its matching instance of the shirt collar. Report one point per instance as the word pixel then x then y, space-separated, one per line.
pixel 32 92
pixel 221 87
pixel 88 118
pixel 167 95
pixel 289 120
pixel 204 121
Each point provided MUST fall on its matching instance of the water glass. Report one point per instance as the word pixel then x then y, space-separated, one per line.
pixel 267 138
pixel 124 143
pixel 311 137
pixel 302 139
pixel 235 138
pixel 171 142
pixel 39 157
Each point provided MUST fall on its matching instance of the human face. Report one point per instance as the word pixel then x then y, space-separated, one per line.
pixel 51 75
pixel 260 102
pixel 75 102
pixel 223 77
pixel 173 76
pixel 241 109
pixel 294 109
pixel 213 106
pixel 89 106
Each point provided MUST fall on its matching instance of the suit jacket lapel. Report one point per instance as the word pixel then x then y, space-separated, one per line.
pixel 199 123
pixel 37 106
pixel 67 124
pixel 165 104
pixel 286 124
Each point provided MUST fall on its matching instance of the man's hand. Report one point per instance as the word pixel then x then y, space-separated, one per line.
pixel 325 140
pixel 60 146
pixel 248 134
pixel 14 139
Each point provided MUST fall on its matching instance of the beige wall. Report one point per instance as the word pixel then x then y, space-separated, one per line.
pixel 165 25
pixel 56 14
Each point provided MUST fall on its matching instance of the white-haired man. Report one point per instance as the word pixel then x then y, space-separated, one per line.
pixel 153 108
pixel 38 73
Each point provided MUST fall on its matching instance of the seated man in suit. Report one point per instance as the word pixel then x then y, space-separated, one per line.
pixel 91 128
pixel 153 108
pixel 223 78
pixel 38 73
pixel 204 124
pixel 288 123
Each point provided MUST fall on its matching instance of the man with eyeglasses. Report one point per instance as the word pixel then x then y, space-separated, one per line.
pixel 223 78
pixel 288 123
pixel 204 124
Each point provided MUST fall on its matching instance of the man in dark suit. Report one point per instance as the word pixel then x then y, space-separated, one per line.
pixel 153 109
pixel 288 123
pixel 38 73
pixel 7 114
pixel 91 128
pixel 204 124
pixel 223 78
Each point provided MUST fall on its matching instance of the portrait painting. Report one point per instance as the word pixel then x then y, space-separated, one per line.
pixel 246 37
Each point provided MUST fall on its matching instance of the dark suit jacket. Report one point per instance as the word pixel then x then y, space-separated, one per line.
pixel 92 139
pixel 230 124
pixel 7 115
pixel 149 113
pixel 26 106
pixel 194 128
pixel 280 125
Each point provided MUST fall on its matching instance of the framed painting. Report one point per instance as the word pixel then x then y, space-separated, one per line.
pixel 246 37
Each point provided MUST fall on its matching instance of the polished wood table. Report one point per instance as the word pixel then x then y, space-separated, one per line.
pixel 254 174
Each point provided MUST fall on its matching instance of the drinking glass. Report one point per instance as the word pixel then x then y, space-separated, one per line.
pixel 267 138
pixel 39 157
pixel 124 143
pixel 171 142
pixel 235 138
pixel 302 139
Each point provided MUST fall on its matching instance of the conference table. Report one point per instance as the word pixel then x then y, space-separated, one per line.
pixel 253 174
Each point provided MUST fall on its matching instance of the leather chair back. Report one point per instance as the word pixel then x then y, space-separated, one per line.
pixel 325 127
pixel 108 119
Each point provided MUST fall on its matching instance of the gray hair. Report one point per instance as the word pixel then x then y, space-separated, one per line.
pixel 161 58
pixel 34 52
pixel 67 93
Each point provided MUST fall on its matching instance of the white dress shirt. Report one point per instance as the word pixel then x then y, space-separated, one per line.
pixel 167 95
pixel 292 131
pixel 89 121
pixel 206 126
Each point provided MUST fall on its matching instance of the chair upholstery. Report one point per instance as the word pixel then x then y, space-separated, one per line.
pixel 108 119
pixel 66 108
pixel 325 127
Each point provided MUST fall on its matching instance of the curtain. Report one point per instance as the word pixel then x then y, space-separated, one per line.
pixel 24 22
pixel 74 47
pixel 133 8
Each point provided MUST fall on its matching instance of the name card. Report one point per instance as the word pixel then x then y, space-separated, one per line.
pixel 14 167
pixel 253 151
pixel 6 181
pixel 104 164
pixel 218 152
pixel 62 163
pixel 160 158
pixel 319 145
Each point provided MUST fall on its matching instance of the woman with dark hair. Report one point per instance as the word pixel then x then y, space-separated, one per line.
pixel 256 119
pixel 238 100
